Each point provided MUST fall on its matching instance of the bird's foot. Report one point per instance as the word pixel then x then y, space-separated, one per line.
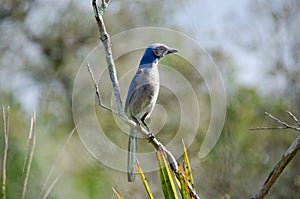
pixel 151 136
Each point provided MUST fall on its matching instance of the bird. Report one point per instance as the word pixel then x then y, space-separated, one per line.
pixel 142 96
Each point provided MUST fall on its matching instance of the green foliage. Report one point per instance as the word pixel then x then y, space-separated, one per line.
pixel 143 178
pixel 166 179
pixel 187 167
pixel 183 178
pixel 183 186
pixel 39 62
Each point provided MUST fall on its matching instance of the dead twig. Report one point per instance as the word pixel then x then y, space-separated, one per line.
pixel 285 159
pixel 284 124
pixel 278 169
pixel 157 145
pixel 131 123
pixel 100 103
pixel 294 117
pixel 104 37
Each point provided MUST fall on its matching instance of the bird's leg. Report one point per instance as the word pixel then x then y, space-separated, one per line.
pixel 151 136
pixel 145 124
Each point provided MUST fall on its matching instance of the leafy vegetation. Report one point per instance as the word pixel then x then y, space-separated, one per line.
pixel 43 43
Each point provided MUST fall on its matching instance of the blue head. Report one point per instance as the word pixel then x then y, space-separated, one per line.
pixel 155 52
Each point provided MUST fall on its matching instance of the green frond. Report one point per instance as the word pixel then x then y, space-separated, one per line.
pixel 143 178
pixel 166 179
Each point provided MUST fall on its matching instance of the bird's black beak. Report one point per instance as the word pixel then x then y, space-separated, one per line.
pixel 172 50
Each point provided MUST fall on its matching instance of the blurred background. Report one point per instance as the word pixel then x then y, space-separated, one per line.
pixel 255 44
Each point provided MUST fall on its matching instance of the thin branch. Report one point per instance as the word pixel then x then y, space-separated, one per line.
pixel 105 38
pixel 56 162
pixel 269 128
pixel 149 136
pixel 285 159
pixel 278 169
pixel 284 124
pixel 276 119
pixel 28 155
pixel 100 103
pixel 4 162
pixel 294 117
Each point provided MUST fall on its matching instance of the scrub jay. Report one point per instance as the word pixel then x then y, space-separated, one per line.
pixel 142 95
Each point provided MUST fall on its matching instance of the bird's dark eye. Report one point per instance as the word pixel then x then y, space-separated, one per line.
pixel 159 51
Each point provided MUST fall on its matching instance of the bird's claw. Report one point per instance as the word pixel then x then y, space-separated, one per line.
pixel 151 136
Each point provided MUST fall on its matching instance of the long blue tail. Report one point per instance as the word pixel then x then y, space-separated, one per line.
pixel 132 147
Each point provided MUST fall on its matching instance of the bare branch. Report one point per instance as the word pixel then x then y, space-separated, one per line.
pixel 269 128
pixel 149 136
pixel 98 92
pixel 294 117
pixel 105 38
pixel 285 159
pixel 4 162
pixel 284 124
pixel 278 120
pixel 131 123
pixel 278 169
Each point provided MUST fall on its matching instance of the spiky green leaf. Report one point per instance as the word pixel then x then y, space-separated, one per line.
pixel 183 184
pixel 143 178
pixel 167 182
pixel 187 166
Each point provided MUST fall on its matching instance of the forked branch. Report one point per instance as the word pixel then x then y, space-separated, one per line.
pixel 104 37
pixel 283 125
pixel 285 159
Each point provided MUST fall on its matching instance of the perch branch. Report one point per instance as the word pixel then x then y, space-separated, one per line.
pixel 105 38
pixel 149 136
pixel 131 123
pixel 285 159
